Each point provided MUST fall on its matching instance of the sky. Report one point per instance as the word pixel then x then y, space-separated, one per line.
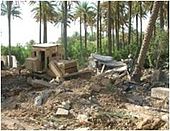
pixel 26 29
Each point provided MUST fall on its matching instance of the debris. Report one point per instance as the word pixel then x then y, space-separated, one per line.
pixel 38 101
pixel 103 68
pixel 160 92
pixel 165 118
pixel 82 129
pixel 62 112
pixel 150 123
pixel 82 118
pixel 66 105
pixel 39 83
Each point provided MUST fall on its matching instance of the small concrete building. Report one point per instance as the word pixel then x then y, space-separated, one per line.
pixel 5 61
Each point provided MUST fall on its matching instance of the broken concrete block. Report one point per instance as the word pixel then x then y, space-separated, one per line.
pixel 160 92
pixel 82 118
pixel 62 112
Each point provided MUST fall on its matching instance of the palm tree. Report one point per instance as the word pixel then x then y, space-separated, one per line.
pixel 40 22
pixel 141 12
pixel 130 13
pixel 48 15
pixel 98 21
pixel 136 11
pixel 117 26
pixel 100 29
pixel 161 16
pixel 109 29
pixel 78 14
pixel 86 11
pixel 8 8
pixel 65 28
pixel 141 58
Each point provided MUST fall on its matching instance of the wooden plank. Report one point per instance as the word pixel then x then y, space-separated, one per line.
pixel 71 70
pixel 55 69
pixel 67 64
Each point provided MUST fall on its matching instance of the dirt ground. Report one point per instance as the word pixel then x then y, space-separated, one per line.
pixel 96 102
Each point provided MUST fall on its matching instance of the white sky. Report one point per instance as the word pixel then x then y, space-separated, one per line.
pixel 26 29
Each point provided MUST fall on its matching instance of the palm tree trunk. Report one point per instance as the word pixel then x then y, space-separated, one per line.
pixel 168 15
pixel 98 11
pixel 65 29
pixel 113 36
pixel 9 6
pixel 142 55
pixel 161 16
pixel 123 36
pixel 137 38
pixel 40 22
pixel 109 30
pixel 85 31
pixel 118 26
pixel 141 23
pixel 100 32
pixel 130 13
pixel 81 43
pixel 45 29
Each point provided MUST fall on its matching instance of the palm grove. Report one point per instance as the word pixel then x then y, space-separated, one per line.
pixel 104 27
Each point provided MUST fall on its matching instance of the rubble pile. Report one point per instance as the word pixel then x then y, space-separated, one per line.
pixel 107 100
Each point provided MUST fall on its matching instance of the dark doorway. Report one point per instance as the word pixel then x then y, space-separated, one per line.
pixel 42 54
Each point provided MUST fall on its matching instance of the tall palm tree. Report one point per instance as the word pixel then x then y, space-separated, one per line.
pixel 141 12
pixel 141 58
pixel 98 21
pixel 9 9
pixel 130 13
pixel 65 28
pixel 100 29
pixel 86 10
pixel 78 15
pixel 136 10
pixel 40 22
pixel 109 29
pixel 48 15
pixel 161 16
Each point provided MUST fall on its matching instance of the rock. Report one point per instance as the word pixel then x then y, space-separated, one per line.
pixel 61 111
pixel 160 92
pixel 38 101
pixel 165 118
pixel 82 118
pixel 66 105
pixel 61 127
